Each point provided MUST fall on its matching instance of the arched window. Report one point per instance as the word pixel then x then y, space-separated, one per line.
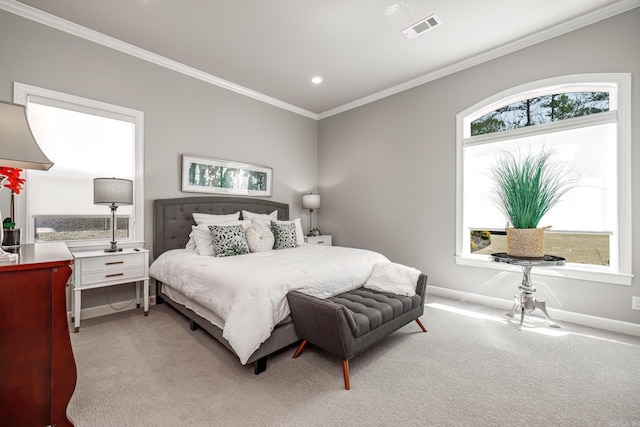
pixel 584 120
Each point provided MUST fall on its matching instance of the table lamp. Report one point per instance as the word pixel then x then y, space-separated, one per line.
pixel 18 149
pixel 311 201
pixel 112 192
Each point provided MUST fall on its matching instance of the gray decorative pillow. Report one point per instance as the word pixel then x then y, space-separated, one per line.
pixel 228 240
pixel 284 235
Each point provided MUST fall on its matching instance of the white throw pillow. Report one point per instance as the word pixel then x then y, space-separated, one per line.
pixel 191 244
pixel 299 232
pixel 259 237
pixel 393 278
pixel 201 218
pixel 265 218
pixel 202 236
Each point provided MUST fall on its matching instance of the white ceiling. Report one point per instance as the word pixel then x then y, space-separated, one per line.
pixel 270 49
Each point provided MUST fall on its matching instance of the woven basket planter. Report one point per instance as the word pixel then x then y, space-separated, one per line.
pixel 525 242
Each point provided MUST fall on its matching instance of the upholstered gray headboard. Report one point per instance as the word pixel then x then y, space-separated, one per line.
pixel 172 218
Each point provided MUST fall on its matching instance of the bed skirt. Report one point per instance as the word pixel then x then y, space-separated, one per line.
pixel 282 336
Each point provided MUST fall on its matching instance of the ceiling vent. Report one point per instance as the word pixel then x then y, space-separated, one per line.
pixel 420 27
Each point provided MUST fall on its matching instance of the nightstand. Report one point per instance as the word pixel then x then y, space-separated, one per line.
pixel 97 269
pixel 318 240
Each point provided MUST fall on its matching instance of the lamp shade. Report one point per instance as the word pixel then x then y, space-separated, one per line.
pixel 112 191
pixel 18 147
pixel 310 201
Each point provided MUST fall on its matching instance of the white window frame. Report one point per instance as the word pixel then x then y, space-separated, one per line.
pixel 619 274
pixel 21 94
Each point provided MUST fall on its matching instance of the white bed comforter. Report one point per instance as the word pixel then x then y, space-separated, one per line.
pixel 249 292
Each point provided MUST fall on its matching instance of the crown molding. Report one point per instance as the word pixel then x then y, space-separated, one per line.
pixel 52 21
pixel 44 18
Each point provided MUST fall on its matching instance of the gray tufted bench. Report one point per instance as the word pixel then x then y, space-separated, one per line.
pixel 349 323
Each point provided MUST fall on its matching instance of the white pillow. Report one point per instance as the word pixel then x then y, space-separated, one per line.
pixel 191 244
pixel 259 237
pixel 202 236
pixel 201 218
pixel 264 217
pixel 299 232
pixel 393 278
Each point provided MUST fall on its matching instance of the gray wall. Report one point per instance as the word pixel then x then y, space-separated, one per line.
pixel 182 115
pixel 387 169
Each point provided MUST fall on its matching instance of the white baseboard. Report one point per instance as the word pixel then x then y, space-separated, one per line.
pixel 567 316
pixel 106 309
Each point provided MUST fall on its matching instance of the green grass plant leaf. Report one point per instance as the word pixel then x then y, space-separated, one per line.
pixel 528 186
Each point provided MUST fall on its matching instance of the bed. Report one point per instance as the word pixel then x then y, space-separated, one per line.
pixel 179 283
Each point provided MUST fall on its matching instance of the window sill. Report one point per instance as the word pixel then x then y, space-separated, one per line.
pixel 568 271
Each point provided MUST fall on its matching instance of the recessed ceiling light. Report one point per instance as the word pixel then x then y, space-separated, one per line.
pixel 316 80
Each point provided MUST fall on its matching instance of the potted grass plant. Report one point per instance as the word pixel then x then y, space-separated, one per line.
pixel 526 188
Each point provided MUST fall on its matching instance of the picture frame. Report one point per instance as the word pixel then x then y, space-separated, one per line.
pixel 202 175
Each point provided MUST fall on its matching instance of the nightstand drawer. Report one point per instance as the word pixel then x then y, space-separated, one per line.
pixel 319 240
pixel 113 262
pixel 120 274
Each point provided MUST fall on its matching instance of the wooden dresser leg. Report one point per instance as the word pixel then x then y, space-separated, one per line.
pixel 345 372
pixel 300 348
pixel 421 325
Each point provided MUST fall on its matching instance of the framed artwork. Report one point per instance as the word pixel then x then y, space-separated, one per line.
pixel 201 175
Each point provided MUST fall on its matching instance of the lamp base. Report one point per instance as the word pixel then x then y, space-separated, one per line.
pixel 113 248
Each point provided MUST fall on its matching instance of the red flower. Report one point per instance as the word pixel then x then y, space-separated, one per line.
pixel 13 177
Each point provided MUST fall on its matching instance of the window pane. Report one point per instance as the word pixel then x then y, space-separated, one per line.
pixel 539 110
pixel 48 229
pixel 579 248
pixel 83 147
pixel 590 151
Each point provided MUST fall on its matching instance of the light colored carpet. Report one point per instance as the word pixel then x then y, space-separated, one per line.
pixel 473 368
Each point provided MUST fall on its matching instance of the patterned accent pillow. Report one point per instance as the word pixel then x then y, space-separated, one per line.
pixel 284 235
pixel 299 232
pixel 201 235
pixel 228 240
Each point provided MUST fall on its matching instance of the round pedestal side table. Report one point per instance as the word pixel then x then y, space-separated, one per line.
pixel 526 301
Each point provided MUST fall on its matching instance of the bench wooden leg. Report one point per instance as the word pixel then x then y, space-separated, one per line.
pixel 300 348
pixel 345 372
pixel 421 325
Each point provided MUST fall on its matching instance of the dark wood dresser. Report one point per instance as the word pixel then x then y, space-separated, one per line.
pixel 37 368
